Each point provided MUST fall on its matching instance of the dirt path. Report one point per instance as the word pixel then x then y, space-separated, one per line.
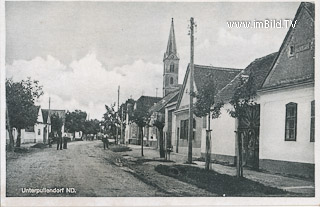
pixel 84 166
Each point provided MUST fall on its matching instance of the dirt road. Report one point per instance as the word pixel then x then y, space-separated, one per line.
pixel 84 170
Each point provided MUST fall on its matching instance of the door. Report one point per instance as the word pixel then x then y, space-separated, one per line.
pixel 249 126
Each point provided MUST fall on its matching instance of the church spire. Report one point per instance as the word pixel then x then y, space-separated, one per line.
pixel 171 47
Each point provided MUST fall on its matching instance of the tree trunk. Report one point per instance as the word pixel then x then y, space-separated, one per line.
pixel 161 143
pixel 11 139
pixel 141 138
pixel 208 145
pixel 18 137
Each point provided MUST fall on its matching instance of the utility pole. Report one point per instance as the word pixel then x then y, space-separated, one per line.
pixel 48 121
pixel 190 133
pixel 121 127
pixel 117 115
pixel 156 92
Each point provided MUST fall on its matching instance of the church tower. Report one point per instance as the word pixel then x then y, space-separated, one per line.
pixel 170 64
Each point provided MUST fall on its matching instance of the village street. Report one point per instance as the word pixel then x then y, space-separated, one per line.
pixel 90 170
pixel 84 166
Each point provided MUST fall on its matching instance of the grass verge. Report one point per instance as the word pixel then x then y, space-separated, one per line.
pixel 220 184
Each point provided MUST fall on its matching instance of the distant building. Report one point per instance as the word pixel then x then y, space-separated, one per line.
pixel 132 130
pixel 39 133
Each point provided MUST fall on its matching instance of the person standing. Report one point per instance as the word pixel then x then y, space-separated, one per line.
pixel 59 141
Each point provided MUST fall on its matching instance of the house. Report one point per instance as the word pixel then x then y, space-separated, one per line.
pixel 39 133
pixel 277 134
pixel 224 127
pixel 222 76
pixel 287 131
pixel 160 115
pixel 144 103
pixel 47 120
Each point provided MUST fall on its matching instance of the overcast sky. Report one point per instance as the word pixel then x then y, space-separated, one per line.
pixel 81 51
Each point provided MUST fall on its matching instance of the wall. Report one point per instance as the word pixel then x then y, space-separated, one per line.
pixel 272 130
pixel 183 143
pixel 223 146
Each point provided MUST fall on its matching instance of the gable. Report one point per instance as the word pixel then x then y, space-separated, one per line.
pixel 295 61
pixel 202 74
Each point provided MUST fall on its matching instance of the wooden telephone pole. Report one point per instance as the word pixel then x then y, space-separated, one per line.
pixel 190 133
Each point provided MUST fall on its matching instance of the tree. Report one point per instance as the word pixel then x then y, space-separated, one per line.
pixel 110 120
pixel 75 121
pixel 157 120
pixel 21 109
pixel 205 106
pixel 141 116
pixel 243 101
pixel 91 126
pixel 56 122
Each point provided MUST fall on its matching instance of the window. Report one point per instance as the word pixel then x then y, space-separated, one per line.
pixel 291 122
pixel 171 81
pixel 194 123
pixel 291 50
pixel 171 67
pixel 312 122
pixel 39 132
pixel 184 129
pixel 204 122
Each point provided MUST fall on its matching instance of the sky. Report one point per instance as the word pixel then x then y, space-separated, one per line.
pixel 82 51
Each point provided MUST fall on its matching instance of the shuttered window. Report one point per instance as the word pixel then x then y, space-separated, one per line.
pixel 291 122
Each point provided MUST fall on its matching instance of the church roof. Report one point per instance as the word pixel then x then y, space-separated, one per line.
pixel 171 46
pixel 259 69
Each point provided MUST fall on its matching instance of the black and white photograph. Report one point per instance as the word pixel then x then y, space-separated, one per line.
pixel 149 99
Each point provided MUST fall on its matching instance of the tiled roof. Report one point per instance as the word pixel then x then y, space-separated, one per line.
pixel 259 68
pixel 60 113
pixel 222 76
pixel 146 102
pixel 310 8
pixel 298 68
pixel 159 106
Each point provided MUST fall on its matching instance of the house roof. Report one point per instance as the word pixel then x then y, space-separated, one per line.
pixel 296 69
pixel 259 69
pixel 202 74
pixel 146 102
pixel 160 105
pixel 60 113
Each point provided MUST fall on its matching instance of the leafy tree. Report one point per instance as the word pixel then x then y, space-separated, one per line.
pixel 56 122
pixel 110 120
pixel 205 106
pixel 141 116
pixel 244 96
pixel 75 121
pixel 21 109
pixel 243 101
pixel 157 120
pixel 92 126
